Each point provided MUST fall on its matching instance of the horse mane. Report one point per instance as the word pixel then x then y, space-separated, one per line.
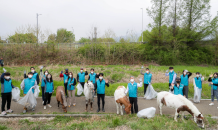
pixel 190 105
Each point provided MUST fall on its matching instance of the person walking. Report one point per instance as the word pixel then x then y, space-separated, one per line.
pixel 100 86
pixel 172 77
pixel 71 89
pixel 147 78
pixel 132 88
pixel 184 80
pixel 214 83
pixel 81 76
pixel 49 89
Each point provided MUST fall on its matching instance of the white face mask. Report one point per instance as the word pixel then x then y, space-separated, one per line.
pixel 49 76
pixel 100 77
pixel 32 71
pixel 30 76
pixel 184 73
pixel 147 72
pixel 171 70
pixel 92 72
pixel 46 73
pixel 70 75
pixel 197 75
pixel 81 70
pixel 7 77
pixel 132 80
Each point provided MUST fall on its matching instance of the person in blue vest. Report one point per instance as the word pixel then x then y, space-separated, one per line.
pixel 26 84
pixel 43 77
pixel 178 87
pixel 100 86
pixel 147 78
pixel 198 83
pixel 35 75
pixel 49 89
pixel 184 80
pixel 214 84
pixel 6 88
pixel 93 76
pixel 172 77
pixel 81 76
pixel 132 88
pixel 71 82
pixel 65 76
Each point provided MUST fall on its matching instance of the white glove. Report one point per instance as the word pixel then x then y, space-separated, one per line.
pixel 142 67
pixel 24 72
pixel 200 75
pixel 41 67
pixel 186 71
pixel 167 71
pixel 4 70
pixel 140 79
pixel 149 83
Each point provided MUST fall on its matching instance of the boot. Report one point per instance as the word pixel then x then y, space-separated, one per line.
pixel 103 109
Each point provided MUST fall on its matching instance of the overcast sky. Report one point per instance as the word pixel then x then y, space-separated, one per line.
pixel 118 15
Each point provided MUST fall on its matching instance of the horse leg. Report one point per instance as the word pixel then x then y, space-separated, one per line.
pixel 117 108
pixel 86 105
pixel 91 106
pixel 183 116
pixel 160 106
pixel 58 104
pixel 176 114
pixel 121 109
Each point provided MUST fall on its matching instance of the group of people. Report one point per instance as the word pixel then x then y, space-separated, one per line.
pixel 177 85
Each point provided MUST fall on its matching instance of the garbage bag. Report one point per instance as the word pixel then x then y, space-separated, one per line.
pixel 147 113
pixel 28 100
pixel 15 94
pixel 197 93
pixel 79 89
pixel 150 92
pixel 36 91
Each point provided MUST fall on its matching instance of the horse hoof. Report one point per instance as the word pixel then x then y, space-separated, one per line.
pixel 91 109
pixel 86 111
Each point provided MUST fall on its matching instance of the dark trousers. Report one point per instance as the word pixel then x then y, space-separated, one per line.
pixel 133 102
pixel 82 83
pixel 185 91
pixel 43 93
pixel 65 86
pixel 6 97
pixel 145 88
pixel 47 98
pixel 102 98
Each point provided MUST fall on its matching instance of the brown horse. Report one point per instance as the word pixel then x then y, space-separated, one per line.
pixel 60 96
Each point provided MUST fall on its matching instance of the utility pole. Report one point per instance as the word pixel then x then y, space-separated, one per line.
pixel 37 15
pixel 142 25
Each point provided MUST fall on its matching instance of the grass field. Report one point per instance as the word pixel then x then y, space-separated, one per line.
pixel 126 122
pixel 119 75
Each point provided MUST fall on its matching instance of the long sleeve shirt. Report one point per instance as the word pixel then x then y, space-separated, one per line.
pixel 22 85
pixel 144 74
pixel 3 80
pixel 174 77
pixel 138 85
pixel 210 80
pixel 77 78
pixel 37 77
pixel 95 85
pixel 96 76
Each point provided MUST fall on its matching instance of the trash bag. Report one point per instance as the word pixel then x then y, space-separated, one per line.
pixel 197 93
pixel 36 91
pixel 79 89
pixel 147 113
pixel 150 92
pixel 15 94
pixel 28 100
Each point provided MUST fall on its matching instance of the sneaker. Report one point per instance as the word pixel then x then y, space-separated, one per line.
pixel 69 106
pixel 211 104
pixel 24 111
pixel 4 113
pixel 49 105
pixel 74 105
pixel 44 107
pixel 42 102
pixel 103 110
pixel 98 110
pixel 9 111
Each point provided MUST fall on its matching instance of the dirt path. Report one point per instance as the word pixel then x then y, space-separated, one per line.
pixel 110 107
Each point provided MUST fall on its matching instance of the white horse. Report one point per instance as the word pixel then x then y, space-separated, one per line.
pixel 121 99
pixel 179 103
pixel 89 94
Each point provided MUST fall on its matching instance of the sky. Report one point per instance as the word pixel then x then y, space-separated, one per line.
pixel 78 16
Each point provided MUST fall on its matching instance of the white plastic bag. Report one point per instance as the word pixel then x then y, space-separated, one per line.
pixel 28 100
pixel 36 91
pixel 150 92
pixel 197 93
pixel 79 89
pixel 15 94
pixel 147 113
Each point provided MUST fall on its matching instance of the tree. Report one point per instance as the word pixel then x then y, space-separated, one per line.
pixel 122 40
pixel 64 36
pixel 84 40
pixel 23 38
pixel 51 38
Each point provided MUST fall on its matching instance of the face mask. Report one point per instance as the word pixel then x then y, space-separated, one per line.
pixel 81 70
pixel 46 73
pixel 7 77
pixel 30 76
pixel 178 82
pixel 100 77
pixel 32 71
pixel 131 80
pixel 70 75
pixel 92 72
pixel 49 76
pixel 147 72
pixel 184 73
pixel 197 75
pixel 171 70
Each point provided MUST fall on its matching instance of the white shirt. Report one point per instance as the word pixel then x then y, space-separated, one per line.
pixel 138 85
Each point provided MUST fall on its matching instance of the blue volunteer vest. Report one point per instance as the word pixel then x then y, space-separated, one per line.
pixel 28 83
pixel 179 90
pixel 132 89
pixel 171 76
pixel 43 83
pixel 215 81
pixel 198 82
pixel 70 87
pixel 101 87
pixel 81 77
pixel 6 87
pixel 92 77
pixel 49 87
pixel 65 77
pixel 184 80
pixel 147 78
pixel 34 76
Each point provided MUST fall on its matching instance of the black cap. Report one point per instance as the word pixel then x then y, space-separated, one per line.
pixel 170 68
pixel 177 78
pixel 101 74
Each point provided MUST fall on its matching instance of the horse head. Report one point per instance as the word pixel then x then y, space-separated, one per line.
pixel 199 120
pixel 128 109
